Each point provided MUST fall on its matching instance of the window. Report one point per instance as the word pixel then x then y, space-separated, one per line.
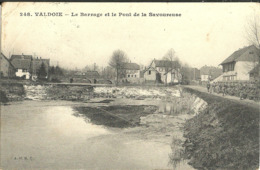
pixel 132 75
pixel 149 72
pixel 135 75
pixel 128 75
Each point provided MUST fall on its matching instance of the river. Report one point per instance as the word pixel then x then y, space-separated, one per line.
pixel 48 135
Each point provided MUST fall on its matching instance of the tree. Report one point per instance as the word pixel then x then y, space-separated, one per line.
pixel 58 71
pixel 116 61
pixel 42 72
pixel 174 60
pixel 253 31
pixel 253 35
pixel 108 72
pixel 186 74
pixel 52 70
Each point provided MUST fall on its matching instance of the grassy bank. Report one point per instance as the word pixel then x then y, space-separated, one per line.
pixel 223 136
pixel 11 91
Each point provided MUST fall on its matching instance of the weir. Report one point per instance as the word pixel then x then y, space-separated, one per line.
pixel 80 84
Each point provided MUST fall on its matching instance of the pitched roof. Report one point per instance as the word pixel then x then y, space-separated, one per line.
pixel 21 64
pixel 166 63
pixel 210 70
pixel 250 53
pixel 28 57
pixel 149 68
pixel 130 66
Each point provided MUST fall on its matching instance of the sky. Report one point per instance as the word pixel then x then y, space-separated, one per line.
pixel 204 34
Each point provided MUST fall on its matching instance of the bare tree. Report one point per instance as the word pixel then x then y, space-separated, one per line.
pixel 116 61
pixel 174 60
pixel 253 31
pixel 253 36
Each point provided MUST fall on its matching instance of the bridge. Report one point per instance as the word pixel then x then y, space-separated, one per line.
pixel 81 84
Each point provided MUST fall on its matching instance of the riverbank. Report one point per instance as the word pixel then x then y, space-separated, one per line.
pixel 223 136
pixel 11 92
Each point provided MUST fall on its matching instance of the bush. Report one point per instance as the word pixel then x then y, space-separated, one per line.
pixel 224 136
pixel 3 98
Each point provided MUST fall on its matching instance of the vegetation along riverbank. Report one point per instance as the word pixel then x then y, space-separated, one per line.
pixel 11 92
pixel 223 136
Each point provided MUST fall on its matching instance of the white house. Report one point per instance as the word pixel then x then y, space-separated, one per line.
pixel 238 65
pixel 131 72
pixel 163 71
pixel 172 76
pixel 208 73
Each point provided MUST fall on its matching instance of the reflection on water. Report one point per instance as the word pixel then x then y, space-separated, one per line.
pixel 56 139
pixel 166 108
pixel 61 121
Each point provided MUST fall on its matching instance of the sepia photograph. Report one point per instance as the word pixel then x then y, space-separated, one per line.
pixel 129 86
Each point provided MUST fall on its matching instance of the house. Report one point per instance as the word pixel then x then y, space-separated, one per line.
pixel 22 64
pixel 6 67
pixel 36 65
pixel 163 71
pixel 172 76
pixel 130 72
pixel 208 73
pixel 239 64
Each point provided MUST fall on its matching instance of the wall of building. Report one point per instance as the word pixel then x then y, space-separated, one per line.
pixel 132 74
pixel 243 68
pixel 151 76
pixel 204 77
pixel 21 73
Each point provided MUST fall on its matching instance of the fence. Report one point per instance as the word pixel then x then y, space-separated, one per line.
pixel 242 89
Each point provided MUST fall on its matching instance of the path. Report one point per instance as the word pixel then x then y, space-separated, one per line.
pixel 233 98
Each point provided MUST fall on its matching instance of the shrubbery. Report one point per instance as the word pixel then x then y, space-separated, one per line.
pixel 224 136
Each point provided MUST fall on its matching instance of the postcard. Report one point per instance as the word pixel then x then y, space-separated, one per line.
pixel 129 85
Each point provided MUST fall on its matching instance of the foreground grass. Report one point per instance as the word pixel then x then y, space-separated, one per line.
pixel 223 136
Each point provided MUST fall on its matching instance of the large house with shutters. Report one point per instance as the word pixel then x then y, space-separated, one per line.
pixel 239 64
pixel 163 71
pixel 26 66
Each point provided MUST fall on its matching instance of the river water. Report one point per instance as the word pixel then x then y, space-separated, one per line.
pixel 48 135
